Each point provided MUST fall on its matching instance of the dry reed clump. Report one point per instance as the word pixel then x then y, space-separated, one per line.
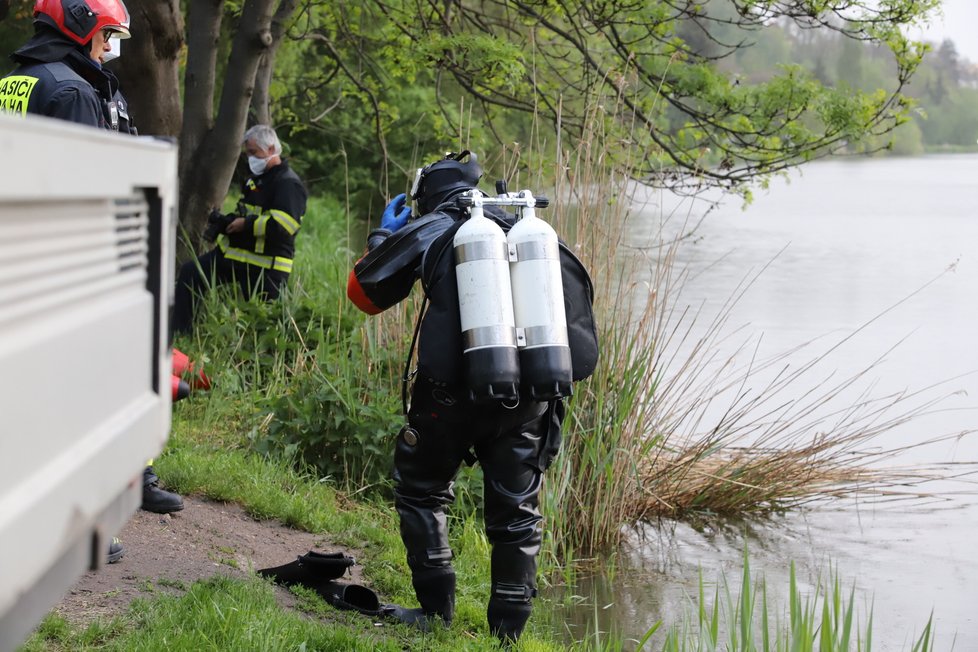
pixel 732 482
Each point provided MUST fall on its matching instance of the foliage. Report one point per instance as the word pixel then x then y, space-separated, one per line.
pixel 367 91
pixel 364 92
pixel 942 89
pixel 299 360
pixel 338 420
pixel 15 28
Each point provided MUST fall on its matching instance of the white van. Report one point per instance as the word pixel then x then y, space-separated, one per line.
pixel 87 231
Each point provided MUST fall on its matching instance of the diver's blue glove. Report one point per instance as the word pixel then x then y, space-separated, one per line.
pixel 396 214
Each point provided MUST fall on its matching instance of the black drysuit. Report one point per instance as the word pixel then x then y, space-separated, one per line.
pixel 514 445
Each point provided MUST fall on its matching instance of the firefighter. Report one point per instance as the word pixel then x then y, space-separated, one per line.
pixel 60 75
pixel 446 425
pixel 255 245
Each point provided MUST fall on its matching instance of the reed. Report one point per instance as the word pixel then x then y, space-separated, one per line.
pixel 823 619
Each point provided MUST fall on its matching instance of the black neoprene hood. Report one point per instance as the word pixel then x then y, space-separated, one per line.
pixel 445 178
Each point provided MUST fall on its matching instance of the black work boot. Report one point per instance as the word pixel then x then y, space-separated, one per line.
pixel 116 551
pixel 509 609
pixel 158 500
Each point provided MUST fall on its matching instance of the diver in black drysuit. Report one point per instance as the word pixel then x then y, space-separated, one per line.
pixel 446 426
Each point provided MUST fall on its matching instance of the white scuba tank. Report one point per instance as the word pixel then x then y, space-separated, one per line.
pixel 538 303
pixel 486 308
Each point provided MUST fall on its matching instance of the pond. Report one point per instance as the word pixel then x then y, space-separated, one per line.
pixel 877 260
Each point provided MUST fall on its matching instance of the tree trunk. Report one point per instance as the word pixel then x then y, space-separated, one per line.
pixel 260 111
pixel 212 145
pixel 149 68
pixel 203 37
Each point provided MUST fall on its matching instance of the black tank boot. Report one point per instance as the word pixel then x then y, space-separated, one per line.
pixel 435 588
pixel 514 570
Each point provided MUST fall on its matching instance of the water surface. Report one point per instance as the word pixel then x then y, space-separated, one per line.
pixel 884 251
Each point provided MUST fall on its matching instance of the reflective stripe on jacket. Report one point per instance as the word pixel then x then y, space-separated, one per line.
pixel 278 199
pixel 277 263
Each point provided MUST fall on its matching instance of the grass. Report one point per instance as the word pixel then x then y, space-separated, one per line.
pixel 242 615
pixel 825 619
pixel 222 614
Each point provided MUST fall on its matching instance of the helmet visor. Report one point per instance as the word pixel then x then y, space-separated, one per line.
pixel 118 31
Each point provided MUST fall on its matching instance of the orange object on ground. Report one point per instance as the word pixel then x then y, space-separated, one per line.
pixel 180 388
pixel 183 366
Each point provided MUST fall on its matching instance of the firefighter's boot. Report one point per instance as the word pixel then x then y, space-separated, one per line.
pixel 156 499
pixel 116 551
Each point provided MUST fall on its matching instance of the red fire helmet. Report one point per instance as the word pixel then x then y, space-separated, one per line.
pixel 80 19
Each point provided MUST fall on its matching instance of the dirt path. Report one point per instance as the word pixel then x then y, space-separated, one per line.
pixel 170 552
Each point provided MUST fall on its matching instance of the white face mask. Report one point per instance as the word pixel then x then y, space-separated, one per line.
pixel 116 51
pixel 257 165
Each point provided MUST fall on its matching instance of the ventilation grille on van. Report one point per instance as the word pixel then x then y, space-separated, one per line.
pixel 131 232
pixel 54 255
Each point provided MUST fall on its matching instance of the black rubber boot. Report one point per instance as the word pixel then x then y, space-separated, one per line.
pixel 435 588
pixel 116 551
pixel 158 500
pixel 507 613
pixel 313 569
pixel 351 596
pixel 414 617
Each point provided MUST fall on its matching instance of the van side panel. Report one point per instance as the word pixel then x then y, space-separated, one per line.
pixel 87 230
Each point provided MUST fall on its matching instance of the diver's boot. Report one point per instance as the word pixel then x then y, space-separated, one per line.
pixel 509 609
pixel 156 499
pixel 435 588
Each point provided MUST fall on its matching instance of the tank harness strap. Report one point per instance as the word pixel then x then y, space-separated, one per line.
pixel 408 375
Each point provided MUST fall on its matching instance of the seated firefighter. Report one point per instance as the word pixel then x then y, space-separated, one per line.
pixel 514 439
pixel 255 245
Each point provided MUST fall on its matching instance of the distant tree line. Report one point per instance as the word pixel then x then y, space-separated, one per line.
pixel 943 89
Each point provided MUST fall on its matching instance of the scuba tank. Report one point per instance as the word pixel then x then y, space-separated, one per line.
pixel 511 302
pixel 485 302
pixel 538 304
